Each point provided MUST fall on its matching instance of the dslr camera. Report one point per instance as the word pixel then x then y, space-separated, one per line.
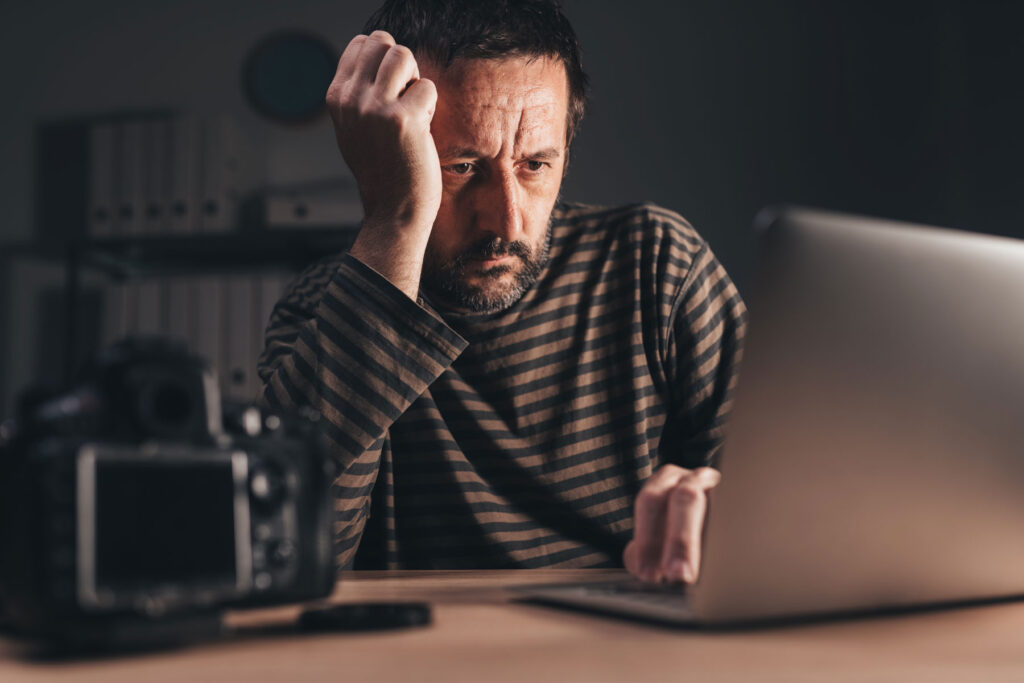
pixel 139 498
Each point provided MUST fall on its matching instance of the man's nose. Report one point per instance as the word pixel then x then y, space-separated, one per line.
pixel 500 208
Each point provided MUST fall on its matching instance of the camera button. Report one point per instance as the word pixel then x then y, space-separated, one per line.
pixel 266 486
pixel 282 552
pixel 262 581
pixel 259 557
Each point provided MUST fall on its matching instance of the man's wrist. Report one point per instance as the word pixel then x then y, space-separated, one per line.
pixel 396 252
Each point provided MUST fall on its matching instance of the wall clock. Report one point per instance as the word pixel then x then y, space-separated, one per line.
pixel 286 75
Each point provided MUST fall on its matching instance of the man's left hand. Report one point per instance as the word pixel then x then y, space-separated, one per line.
pixel 668 520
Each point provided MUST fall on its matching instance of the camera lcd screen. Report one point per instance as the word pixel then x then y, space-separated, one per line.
pixel 170 522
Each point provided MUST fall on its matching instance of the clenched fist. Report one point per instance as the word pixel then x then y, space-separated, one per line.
pixel 382 111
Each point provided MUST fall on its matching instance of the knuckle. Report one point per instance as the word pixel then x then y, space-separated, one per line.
pixel 339 91
pixel 429 87
pixel 364 102
pixel 685 494
pixel 711 476
pixel 664 474
pixel 704 473
pixel 349 105
pixel 362 106
pixel 401 52
pixel 672 469
pixel 382 37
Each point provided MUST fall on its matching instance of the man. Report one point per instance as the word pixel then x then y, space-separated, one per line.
pixel 511 381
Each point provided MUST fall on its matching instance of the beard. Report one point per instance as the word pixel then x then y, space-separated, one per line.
pixel 448 281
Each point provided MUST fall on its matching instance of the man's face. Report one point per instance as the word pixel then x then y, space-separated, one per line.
pixel 499 128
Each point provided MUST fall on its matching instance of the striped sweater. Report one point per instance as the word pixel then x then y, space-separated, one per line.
pixel 519 438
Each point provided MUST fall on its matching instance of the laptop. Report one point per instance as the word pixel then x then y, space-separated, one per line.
pixel 875 456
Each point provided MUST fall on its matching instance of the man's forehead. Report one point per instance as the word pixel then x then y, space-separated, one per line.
pixel 463 69
pixel 478 98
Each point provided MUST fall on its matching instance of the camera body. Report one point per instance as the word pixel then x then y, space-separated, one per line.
pixel 139 497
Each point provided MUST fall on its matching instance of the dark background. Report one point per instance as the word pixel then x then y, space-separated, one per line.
pixel 714 108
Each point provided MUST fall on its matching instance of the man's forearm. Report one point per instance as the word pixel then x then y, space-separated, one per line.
pixel 360 355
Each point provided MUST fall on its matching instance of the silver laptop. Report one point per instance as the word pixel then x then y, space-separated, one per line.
pixel 875 457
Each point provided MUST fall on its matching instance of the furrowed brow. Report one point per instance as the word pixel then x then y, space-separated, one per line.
pixel 547 154
pixel 460 153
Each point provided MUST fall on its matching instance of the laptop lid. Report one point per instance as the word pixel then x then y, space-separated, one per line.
pixel 875 456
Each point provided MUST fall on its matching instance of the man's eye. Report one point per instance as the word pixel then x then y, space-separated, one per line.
pixel 461 169
pixel 535 166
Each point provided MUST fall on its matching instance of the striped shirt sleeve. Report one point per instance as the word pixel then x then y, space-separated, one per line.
pixel 708 324
pixel 349 344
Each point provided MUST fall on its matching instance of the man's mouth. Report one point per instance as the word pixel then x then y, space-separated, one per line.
pixel 491 261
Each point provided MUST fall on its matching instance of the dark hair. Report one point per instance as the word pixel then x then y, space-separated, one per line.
pixel 446 30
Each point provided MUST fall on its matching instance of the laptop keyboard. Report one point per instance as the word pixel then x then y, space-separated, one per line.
pixel 666 595
pixel 668 603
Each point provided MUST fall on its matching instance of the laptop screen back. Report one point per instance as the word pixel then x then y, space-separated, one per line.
pixel 875 457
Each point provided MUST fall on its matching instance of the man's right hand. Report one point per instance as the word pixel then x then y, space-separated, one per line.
pixel 382 111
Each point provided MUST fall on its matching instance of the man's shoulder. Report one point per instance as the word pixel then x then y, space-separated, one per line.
pixel 649 228
pixel 641 217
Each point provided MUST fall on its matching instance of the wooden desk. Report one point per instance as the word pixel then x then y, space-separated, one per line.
pixel 478 635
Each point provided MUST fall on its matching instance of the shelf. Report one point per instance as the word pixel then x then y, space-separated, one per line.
pixel 124 257
pixel 141 257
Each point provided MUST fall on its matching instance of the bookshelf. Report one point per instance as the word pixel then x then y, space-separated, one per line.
pixel 208 253
pixel 124 259
pixel 158 222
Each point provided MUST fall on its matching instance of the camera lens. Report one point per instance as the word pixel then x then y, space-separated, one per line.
pixel 166 407
pixel 171 404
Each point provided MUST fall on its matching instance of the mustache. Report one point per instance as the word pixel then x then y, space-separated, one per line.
pixel 493 247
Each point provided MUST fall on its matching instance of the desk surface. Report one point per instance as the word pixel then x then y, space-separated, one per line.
pixel 479 635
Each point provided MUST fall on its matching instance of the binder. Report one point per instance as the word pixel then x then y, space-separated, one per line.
pixel 130 169
pixel 231 169
pixel 103 150
pixel 183 153
pixel 154 159
pixel 312 209
pixel 217 165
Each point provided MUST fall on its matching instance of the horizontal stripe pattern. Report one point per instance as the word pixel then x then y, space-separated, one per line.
pixel 517 439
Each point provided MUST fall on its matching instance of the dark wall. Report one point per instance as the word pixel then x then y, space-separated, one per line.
pixel 714 108
pixel 907 110
pixel 711 107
